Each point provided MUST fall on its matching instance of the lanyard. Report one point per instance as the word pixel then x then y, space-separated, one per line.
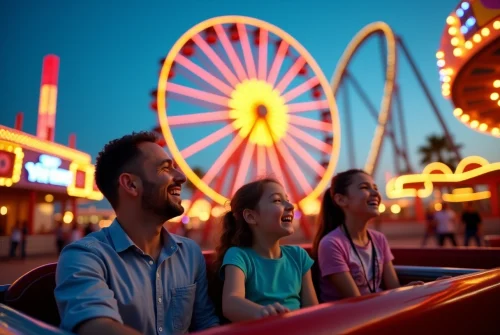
pixel 374 260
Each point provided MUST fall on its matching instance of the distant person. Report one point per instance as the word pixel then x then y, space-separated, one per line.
pixel 24 239
pixel 430 226
pixel 134 277
pixel 446 225
pixel 472 221
pixel 60 237
pixel 76 233
pixel 15 239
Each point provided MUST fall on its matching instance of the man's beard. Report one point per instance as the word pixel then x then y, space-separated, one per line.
pixel 156 200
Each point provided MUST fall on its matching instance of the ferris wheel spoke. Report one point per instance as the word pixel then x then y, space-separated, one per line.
pixel 247 50
pixel 231 53
pixel 301 89
pixel 261 160
pixel 294 167
pixel 215 59
pixel 290 74
pixel 310 123
pixel 243 168
pixel 198 118
pixel 263 40
pixel 207 141
pixel 203 74
pixel 300 151
pixel 275 163
pixel 311 140
pixel 309 106
pixel 222 160
pixel 197 94
pixel 278 61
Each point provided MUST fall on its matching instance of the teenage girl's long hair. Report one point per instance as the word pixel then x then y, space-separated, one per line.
pixel 331 215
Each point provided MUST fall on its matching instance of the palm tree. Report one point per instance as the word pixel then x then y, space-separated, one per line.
pixel 438 148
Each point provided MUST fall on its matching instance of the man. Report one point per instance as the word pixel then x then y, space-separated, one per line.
pixel 446 222
pixel 472 221
pixel 134 277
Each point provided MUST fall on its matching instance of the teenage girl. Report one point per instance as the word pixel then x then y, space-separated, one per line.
pixel 352 259
pixel 261 277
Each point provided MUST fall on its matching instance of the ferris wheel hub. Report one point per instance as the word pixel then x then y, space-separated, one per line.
pixel 259 112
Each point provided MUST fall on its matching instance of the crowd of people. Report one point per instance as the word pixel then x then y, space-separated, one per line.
pixel 444 225
pixel 135 277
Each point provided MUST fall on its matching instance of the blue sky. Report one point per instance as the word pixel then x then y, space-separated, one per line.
pixel 110 51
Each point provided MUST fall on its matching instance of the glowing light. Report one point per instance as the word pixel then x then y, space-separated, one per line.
pixel 49 198
pixel 464 29
pixel 496 25
pixel 470 21
pixel 465 5
pixel 439 54
pixel 476 38
pixel 3 210
pixel 438 206
pixel 34 143
pixel 485 32
pixel 465 117
pixel 483 127
pixel 474 124
pixel 446 86
pixel 445 93
pixel 494 96
pixel 395 209
pixel 47 171
pixel 441 63
pixel 496 83
pixel 498 102
pixel 458 111
pixel 438 172
pixel 466 194
pixel 311 208
pixel 457 52
pixel 452 31
pixel 495 131
pixel 455 41
pixel 381 208
pixel 460 12
pixel 204 216
pixel 68 217
pixel 446 79
pixel 468 45
pixel 450 20
pixel 262 129
pixel 18 163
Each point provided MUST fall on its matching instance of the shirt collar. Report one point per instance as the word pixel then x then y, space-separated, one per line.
pixel 121 241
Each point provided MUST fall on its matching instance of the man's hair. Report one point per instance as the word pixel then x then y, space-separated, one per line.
pixel 115 158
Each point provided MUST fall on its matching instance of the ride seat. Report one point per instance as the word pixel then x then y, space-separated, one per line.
pixel 33 294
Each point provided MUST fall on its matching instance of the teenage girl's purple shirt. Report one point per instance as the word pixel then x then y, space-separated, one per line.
pixel 335 255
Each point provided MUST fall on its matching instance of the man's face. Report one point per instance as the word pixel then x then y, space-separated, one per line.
pixel 161 182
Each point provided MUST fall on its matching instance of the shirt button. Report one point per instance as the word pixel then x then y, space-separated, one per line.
pixel 151 262
pixel 159 299
pixel 160 329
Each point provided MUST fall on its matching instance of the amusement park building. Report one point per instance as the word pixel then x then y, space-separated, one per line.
pixel 36 173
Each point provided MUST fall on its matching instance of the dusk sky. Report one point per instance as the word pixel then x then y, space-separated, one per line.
pixel 110 52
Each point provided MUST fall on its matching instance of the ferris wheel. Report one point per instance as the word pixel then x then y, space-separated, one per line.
pixel 246 99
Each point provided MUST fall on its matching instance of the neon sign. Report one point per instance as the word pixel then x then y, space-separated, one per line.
pixel 47 171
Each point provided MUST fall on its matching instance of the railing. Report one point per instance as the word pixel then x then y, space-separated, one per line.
pixel 13 322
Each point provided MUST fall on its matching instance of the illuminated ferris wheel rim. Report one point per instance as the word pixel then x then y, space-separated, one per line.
pixel 163 115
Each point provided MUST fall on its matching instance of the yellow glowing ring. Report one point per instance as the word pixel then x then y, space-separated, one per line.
pixel 162 111
pixel 390 75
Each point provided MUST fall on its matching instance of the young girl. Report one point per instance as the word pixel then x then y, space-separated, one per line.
pixel 262 278
pixel 352 259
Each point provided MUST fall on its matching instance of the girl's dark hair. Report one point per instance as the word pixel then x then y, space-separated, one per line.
pixel 331 216
pixel 235 230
